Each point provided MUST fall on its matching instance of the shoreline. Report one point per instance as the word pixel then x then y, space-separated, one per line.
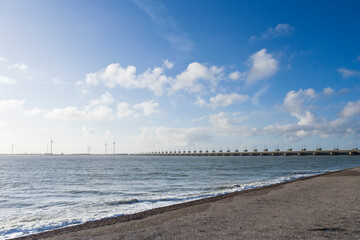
pixel 123 219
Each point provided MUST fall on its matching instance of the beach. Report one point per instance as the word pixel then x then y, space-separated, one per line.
pixel 320 207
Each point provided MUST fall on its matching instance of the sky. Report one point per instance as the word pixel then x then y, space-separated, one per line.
pixel 155 75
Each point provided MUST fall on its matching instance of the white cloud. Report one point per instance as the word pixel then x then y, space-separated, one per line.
pixel 263 65
pixel 294 103
pixel 123 110
pixel 200 102
pixel 344 90
pixel 20 66
pixel 87 131
pixel 105 99
pixel 189 80
pixel 226 123
pixel 223 100
pixel 235 75
pixel 7 80
pixel 33 112
pixel 148 107
pixel 168 64
pixel 115 75
pixel 157 138
pixel 309 124
pixel 73 113
pixel 195 78
pixel 11 105
pixel 346 73
pixel 328 91
pixel 280 30
pixel 2 59
pixel 351 109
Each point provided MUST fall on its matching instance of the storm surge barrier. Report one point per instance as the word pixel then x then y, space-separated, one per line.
pixel 255 152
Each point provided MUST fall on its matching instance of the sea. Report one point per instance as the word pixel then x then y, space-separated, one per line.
pixel 43 192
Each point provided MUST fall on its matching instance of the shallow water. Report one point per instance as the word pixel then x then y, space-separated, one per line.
pixel 39 193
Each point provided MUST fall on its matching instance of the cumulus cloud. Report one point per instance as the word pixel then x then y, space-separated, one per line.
pixel 19 66
pixel 168 64
pixel 308 123
pixel 87 131
pixel 7 80
pixel 328 91
pixel 263 65
pixel 116 75
pixel 148 107
pixel 2 59
pixel 351 109
pixel 189 80
pixel 346 73
pixel 105 99
pixel 196 78
pixel 229 123
pixel 294 103
pixel 200 102
pixel 280 30
pixel 33 112
pixel 192 79
pixel 96 110
pixel 123 110
pixel 73 113
pixel 235 75
pixel 224 100
pixel 11 105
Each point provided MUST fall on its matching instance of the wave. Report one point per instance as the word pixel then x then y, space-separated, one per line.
pixel 22 231
pixel 139 204
pixel 219 190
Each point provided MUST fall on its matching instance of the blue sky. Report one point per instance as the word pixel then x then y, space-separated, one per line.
pixel 157 75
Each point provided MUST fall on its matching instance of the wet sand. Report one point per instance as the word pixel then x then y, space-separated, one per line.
pixel 320 207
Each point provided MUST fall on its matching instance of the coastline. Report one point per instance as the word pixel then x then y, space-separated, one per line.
pixel 130 226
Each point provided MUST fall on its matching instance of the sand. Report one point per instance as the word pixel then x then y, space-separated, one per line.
pixel 320 207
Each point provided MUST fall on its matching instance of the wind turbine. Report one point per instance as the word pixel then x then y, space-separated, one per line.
pixel 105 147
pixel 114 147
pixel 51 143
pixel 12 148
pixel 89 148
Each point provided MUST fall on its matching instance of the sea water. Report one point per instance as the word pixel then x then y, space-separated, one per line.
pixel 43 192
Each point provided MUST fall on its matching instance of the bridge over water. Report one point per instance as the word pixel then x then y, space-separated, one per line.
pixel 255 152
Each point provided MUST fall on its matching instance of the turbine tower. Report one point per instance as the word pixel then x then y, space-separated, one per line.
pixel 114 147
pixel 51 143
pixel 12 148
pixel 105 147
pixel 89 148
